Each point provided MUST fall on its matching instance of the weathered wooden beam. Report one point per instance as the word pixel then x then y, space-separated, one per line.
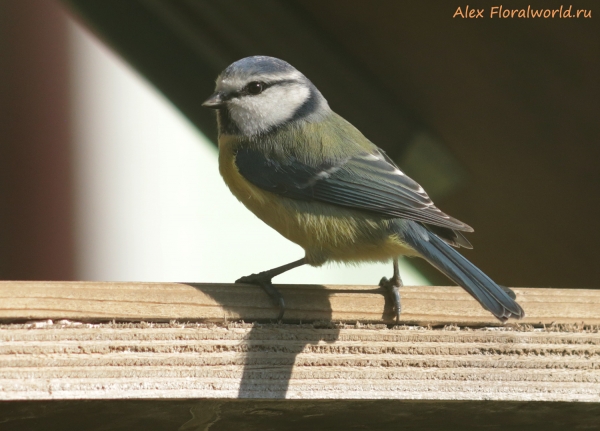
pixel 555 356
pixel 95 301
pixel 66 360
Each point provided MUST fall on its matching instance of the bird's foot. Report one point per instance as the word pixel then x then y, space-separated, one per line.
pixel 393 287
pixel 264 280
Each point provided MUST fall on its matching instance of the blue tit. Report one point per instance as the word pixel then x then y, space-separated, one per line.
pixel 315 179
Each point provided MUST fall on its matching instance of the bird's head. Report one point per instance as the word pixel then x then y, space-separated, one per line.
pixel 257 94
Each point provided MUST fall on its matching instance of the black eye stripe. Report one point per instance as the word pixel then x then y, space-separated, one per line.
pixel 275 83
pixel 283 82
pixel 266 85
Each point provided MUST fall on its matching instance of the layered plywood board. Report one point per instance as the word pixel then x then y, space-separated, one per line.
pixel 447 349
pixel 85 361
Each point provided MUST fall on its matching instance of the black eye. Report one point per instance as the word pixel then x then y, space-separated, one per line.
pixel 255 87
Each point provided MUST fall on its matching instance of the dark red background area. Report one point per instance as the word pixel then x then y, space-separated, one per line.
pixel 35 161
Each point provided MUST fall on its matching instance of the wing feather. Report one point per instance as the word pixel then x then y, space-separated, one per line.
pixel 368 181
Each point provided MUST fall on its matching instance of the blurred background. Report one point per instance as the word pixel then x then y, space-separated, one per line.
pixel 108 166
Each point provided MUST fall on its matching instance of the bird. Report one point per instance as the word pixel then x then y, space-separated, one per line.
pixel 317 180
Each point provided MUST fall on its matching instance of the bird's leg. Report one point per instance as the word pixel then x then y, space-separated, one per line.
pixel 393 287
pixel 263 279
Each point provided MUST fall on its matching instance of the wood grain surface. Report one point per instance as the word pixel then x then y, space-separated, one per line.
pixel 55 343
pixel 23 300
pixel 66 360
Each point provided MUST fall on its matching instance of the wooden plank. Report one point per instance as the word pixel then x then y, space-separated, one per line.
pixel 67 360
pixel 95 301
pixel 206 351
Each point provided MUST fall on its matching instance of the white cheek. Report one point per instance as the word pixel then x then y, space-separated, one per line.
pixel 254 114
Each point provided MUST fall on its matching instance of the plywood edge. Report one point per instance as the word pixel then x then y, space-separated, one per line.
pixel 144 360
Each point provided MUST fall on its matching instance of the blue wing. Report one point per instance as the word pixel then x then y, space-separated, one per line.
pixel 368 181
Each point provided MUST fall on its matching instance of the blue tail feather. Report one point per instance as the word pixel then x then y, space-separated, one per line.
pixel 456 267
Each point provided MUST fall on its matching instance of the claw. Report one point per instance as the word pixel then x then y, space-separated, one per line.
pixel 264 278
pixel 393 290
pixel 267 286
pixel 247 279
pixel 393 285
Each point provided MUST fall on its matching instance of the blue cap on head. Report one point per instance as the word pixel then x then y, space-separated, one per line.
pixel 259 64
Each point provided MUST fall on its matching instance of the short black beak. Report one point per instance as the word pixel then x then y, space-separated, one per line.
pixel 215 101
